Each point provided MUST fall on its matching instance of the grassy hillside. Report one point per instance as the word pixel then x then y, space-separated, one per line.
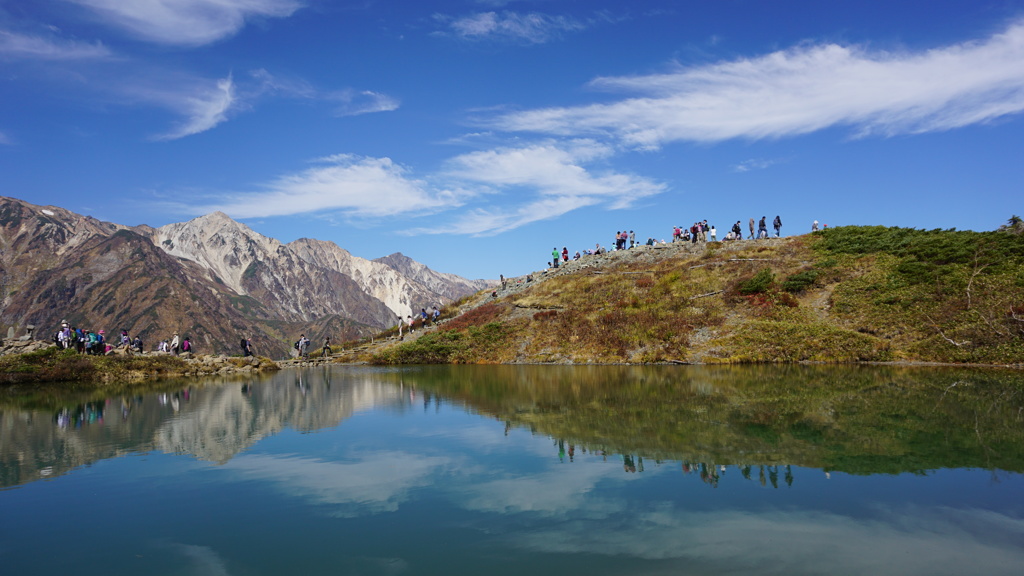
pixel 846 294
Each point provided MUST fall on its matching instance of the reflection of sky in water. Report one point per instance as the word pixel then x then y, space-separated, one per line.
pixel 433 489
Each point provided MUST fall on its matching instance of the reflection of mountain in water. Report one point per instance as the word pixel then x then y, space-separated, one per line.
pixel 232 419
pixel 211 422
pixel 758 419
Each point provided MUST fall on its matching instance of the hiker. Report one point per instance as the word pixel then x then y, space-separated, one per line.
pixel 326 350
pixel 186 345
pixel 762 229
pixel 401 324
pixel 137 344
pixel 436 314
pixel 503 283
pixel 751 229
pixel 713 233
pixel 565 254
pixel 303 346
pixel 814 226
pixel 777 224
pixel 554 257
pixel 632 238
pixel 174 344
pixel 246 347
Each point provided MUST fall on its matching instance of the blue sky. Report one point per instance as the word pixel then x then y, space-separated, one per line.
pixel 475 135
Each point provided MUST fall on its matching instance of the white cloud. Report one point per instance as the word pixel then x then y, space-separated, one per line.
pixel 538 182
pixel 803 90
pixel 355 103
pixel 357 186
pixel 5 140
pixel 351 102
pixel 203 108
pixel 754 164
pixel 547 180
pixel 22 46
pixel 534 28
pixel 186 22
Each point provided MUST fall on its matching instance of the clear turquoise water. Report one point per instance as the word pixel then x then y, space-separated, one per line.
pixel 378 471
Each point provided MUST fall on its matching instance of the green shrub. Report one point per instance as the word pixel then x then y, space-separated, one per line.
pixel 800 281
pixel 760 283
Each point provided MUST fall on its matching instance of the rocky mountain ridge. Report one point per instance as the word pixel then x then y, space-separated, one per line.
pixel 210 277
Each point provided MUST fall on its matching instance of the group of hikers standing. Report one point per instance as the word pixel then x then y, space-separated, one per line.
pixel 95 342
pixel 699 231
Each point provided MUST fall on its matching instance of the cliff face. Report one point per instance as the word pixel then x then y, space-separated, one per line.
pixel 210 278
pixel 289 287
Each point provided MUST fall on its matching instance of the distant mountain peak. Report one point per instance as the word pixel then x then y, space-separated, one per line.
pixel 211 273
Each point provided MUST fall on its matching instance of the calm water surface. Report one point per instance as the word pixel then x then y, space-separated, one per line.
pixel 522 470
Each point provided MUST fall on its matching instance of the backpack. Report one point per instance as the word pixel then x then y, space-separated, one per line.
pixel 186 346
pixel 296 345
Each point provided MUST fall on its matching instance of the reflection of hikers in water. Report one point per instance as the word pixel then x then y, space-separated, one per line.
pixel 709 475
pixel 627 464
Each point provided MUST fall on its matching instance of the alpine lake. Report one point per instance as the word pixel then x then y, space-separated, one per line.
pixel 522 470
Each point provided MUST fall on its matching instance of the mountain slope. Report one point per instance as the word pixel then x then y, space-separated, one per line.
pixel 847 294
pixel 211 277
pixel 447 286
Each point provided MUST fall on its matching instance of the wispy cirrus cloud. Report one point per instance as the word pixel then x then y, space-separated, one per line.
pixel 349 102
pixel 533 28
pixel 185 22
pixel 355 186
pixel 14 45
pixel 803 90
pixel 754 164
pixel 356 103
pixel 202 105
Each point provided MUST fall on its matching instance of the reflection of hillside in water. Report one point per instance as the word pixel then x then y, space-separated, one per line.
pixel 858 419
pixel 207 420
